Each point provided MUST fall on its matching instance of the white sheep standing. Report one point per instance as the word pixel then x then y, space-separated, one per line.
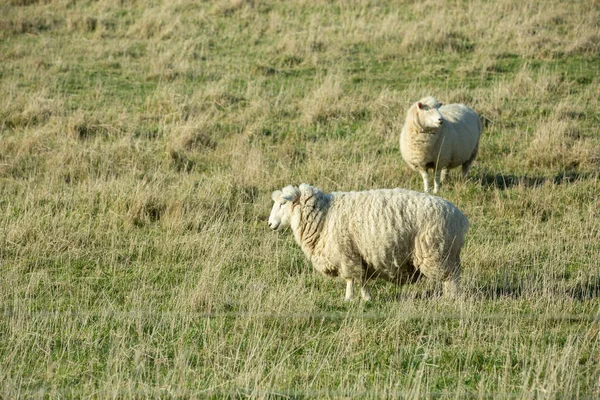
pixel 395 234
pixel 439 137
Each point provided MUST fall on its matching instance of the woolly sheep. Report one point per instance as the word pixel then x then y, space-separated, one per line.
pixel 395 234
pixel 439 137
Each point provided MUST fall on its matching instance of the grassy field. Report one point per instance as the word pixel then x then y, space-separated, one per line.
pixel 139 145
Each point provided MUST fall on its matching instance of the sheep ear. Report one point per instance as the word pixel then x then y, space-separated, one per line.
pixel 290 193
pixel 275 195
pixel 307 191
pixel 420 105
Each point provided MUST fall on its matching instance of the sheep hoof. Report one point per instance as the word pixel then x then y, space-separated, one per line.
pixel 451 289
pixel 365 294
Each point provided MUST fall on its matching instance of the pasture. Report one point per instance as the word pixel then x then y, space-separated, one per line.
pixel 139 146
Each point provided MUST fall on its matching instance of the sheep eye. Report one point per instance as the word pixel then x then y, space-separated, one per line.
pixel 282 203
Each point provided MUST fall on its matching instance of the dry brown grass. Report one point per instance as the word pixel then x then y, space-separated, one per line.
pixel 139 144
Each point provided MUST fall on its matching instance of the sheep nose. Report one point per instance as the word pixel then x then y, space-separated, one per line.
pixel 269 224
pixel 441 121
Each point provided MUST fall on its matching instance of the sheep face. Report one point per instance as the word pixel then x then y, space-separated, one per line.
pixel 428 115
pixel 283 202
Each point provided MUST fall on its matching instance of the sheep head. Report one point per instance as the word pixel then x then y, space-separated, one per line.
pixel 430 102
pixel 426 114
pixel 283 202
pixel 284 212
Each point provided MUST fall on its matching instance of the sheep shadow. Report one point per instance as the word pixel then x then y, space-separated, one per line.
pixel 508 287
pixel 491 291
pixel 502 181
pixel 516 287
pixel 585 290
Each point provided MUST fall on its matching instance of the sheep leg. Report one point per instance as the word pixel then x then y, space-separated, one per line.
pixel 425 177
pixel 444 174
pixel 349 289
pixel 465 169
pixel 436 182
pixel 364 292
pixel 467 164
pixel 451 288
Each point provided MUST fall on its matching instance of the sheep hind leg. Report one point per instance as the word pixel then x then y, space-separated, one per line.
pixel 349 289
pixel 451 288
pixel 436 182
pixel 444 175
pixel 466 166
pixel 439 266
pixel 425 177
pixel 465 169
pixel 364 292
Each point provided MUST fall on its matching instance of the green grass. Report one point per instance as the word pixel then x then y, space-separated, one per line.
pixel 139 145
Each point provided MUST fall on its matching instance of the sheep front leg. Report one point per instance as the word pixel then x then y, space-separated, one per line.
pixel 425 177
pixel 349 289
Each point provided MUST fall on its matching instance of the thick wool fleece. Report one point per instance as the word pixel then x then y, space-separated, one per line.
pixel 448 146
pixel 394 234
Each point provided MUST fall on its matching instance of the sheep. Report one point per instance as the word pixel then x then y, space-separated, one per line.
pixel 439 137
pixel 394 234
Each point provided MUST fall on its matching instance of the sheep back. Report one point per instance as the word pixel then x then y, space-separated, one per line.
pixel 388 233
pixel 461 130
